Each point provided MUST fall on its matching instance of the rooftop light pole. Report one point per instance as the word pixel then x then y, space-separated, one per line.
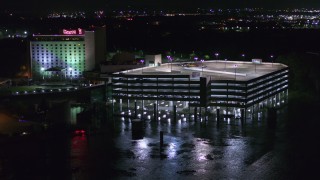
pixel 195 58
pixel 202 65
pixel 243 56
pixel 271 56
pixel 225 64
pixel 255 67
pixel 216 54
pixel 168 57
pixel 171 59
pixel 142 61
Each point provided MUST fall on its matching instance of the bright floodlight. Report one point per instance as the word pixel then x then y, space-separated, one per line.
pixel 70 69
pixel 42 69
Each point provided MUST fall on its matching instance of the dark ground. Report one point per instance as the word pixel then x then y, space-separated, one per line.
pixel 192 151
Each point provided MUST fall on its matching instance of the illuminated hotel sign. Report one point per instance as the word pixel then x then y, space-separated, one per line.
pixel 78 31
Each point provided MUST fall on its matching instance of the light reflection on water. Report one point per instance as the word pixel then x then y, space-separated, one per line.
pixel 190 148
pixel 202 147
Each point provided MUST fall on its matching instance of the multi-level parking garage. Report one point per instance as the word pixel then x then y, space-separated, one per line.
pixel 197 89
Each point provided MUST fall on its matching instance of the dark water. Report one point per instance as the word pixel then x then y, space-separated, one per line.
pixel 192 150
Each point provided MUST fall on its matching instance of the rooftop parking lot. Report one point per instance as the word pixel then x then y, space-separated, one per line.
pixel 215 69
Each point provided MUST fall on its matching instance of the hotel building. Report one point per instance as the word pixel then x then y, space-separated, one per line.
pixel 68 54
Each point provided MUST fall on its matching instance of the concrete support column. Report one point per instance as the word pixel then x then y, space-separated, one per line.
pixel 242 116
pixel 135 110
pixel 142 108
pixel 120 104
pixel 155 111
pixel 128 105
pixel 175 113
pixel 170 103
pixel 218 115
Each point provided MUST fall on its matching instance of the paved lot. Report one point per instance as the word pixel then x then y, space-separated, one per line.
pixel 214 69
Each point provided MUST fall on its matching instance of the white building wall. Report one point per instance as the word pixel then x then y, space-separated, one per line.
pixel 153 60
pixel 90 50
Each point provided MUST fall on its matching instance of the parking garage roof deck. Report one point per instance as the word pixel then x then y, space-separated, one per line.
pixel 213 69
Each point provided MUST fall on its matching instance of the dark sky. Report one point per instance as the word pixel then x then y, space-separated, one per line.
pixel 44 5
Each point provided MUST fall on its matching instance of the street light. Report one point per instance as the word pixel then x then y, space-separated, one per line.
pixel 216 54
pixel 271 56
pixel 171 59
pixel 225 64
pixel 243 56
pixel 235 71
pixel 168 57
pixel 202 65
pixel 142 61
pixel 255 67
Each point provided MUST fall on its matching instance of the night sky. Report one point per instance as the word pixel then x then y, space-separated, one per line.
pixel 45 5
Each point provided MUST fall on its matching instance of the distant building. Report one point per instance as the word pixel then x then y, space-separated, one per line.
pixel 68 54
pixel 153 60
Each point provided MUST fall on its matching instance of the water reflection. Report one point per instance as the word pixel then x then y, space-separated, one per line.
pixel 78 154
pixel 191 149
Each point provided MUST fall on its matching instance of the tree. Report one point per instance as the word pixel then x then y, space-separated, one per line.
pixel 304 74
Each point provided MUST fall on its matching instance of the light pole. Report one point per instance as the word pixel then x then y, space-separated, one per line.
pixel 42 69
pixel 271 56
pixel 225 64
pixel 243 56
pixel 216 54
pixel 202 65
pixel 168 57
pixel 142 61
pixel 235 71
pixel 171 59
pixel 255 67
